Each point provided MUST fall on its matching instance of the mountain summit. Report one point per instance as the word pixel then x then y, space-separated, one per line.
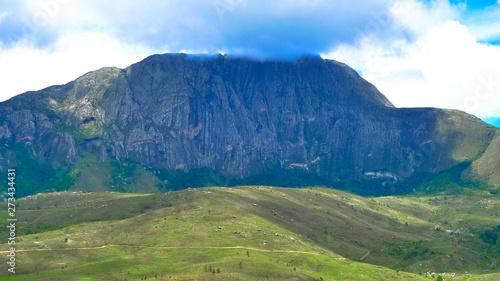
pixel 173 117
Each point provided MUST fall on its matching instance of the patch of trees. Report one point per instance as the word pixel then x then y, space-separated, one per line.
pixel 491 236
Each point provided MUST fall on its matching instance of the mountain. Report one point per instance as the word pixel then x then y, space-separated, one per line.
pixel 254 233
pixel 173 121
pixel 487 166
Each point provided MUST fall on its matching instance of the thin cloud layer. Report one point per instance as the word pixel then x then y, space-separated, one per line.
pixel 58 40
pixel 277 29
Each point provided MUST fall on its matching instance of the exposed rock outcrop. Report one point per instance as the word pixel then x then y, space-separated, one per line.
pixel 241 117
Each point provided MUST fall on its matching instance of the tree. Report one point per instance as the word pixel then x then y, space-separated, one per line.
pixel 439 278
pixel 213 271
pixel 248 254
pixel 218 270
pixel 241 265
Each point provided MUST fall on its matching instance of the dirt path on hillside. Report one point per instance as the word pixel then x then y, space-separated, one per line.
pixel 173 248
pixel 365 256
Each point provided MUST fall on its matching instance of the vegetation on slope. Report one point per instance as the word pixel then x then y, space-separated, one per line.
pixel 255 233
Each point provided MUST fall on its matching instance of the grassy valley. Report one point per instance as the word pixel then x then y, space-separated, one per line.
pixel 256 233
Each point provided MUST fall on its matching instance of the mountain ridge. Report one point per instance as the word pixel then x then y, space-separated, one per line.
pixel 241 118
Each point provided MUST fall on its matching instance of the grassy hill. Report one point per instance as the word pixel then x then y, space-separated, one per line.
pixel 255 233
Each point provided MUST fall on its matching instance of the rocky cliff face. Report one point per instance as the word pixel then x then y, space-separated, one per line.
pixel 487 167
pixel 239 117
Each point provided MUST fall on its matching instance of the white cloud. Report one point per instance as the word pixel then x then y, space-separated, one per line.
pixel 3 15
pixel 441 66
pixel 54 41
pixel 418 53
pixel 485 24
pixel 26 67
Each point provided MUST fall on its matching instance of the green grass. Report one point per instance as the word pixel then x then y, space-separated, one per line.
pixel 174 236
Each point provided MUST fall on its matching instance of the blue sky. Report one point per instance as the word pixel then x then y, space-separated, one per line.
pixel 475 5
pixel 493 120
pixel 417 52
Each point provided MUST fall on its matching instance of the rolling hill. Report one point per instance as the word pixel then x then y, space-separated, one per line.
pixel 256 233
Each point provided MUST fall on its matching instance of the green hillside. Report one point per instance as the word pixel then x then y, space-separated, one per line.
pixel 255 233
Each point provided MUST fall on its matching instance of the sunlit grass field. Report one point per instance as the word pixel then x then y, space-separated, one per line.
pixel 254 233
